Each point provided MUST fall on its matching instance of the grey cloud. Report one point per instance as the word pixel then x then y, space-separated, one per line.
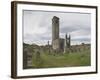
pixel 81 39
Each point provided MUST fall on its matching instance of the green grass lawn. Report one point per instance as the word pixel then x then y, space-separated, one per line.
pixel 47 60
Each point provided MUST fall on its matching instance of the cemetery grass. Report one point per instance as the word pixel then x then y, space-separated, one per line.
pixel 49 60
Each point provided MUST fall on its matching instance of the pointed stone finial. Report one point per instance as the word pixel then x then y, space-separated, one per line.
pixel 66 36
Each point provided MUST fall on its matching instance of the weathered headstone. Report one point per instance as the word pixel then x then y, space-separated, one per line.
pixel 27 58
pixel 37 55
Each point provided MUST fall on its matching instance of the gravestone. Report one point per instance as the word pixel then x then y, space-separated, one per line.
pixel 27 58
pixel 37 55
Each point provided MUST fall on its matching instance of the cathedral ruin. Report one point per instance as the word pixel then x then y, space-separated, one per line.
pixel 59 44
pixel 37 56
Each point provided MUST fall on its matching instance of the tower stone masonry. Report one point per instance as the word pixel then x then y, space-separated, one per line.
pixel 58 44
pixel 55 28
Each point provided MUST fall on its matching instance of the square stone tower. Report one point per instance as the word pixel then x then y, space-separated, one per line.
pixel 55 33
pixel 58 44
pixel 55 28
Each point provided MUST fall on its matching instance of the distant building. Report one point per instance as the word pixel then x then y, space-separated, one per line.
pixel 58 44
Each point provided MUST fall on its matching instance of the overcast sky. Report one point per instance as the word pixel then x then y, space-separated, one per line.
pixel 37 26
